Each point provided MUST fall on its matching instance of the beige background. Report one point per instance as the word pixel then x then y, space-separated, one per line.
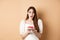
pixel 13 11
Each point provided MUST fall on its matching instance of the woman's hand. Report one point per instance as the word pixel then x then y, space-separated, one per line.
pixel 28 32
pixel 36 33
pixel 25 34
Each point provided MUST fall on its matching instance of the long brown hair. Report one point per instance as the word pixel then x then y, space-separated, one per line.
pixel 35 19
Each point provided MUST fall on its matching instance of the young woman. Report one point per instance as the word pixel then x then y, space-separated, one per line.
pixel 31 28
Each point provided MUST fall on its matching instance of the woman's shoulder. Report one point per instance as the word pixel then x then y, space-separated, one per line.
pixel 39 20
pixel 22 21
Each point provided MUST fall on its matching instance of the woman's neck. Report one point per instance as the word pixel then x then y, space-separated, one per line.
pixel 30 19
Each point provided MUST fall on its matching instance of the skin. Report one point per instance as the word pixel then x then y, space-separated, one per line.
pixel 30 21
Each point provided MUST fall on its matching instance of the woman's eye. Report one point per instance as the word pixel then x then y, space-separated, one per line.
pixel 29 12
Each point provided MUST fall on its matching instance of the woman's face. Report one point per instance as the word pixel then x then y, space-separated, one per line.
pixel 31 13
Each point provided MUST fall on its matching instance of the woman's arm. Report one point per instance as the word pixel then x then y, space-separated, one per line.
pixel 38 34
pixel 23 34
pixel 40 24
pixel 26 34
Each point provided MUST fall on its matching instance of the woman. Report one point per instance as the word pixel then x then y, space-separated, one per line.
pixel 31 28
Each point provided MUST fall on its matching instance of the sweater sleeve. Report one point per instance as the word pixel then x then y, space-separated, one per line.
pixel 40 24
pixel 21 27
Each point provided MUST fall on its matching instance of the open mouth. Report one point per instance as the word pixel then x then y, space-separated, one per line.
pixel 31 16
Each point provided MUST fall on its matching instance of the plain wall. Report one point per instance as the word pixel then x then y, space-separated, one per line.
pixel 13 11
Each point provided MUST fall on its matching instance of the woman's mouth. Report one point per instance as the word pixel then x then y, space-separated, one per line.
pixel 31 16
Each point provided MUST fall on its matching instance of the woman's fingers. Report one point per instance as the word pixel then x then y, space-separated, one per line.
pixel 35 31
pixel 29 29
pixel 28 32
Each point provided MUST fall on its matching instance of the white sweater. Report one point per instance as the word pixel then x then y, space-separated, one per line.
pixel 24 26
